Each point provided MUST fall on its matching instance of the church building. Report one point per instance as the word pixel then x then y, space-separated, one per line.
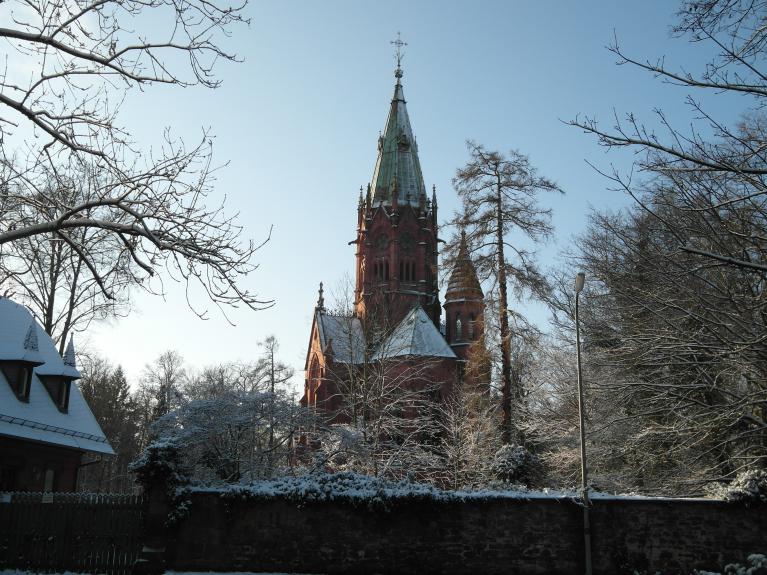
pixel 395 316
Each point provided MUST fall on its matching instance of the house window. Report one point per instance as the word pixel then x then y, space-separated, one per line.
pixel 471 326
pixel 458 327
pixel 49 477
pixel 18 374
pixel 58 388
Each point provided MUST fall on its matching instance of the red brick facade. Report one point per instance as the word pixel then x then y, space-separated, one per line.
pixel 396 273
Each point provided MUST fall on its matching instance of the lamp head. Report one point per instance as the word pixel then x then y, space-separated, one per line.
pixel 579 281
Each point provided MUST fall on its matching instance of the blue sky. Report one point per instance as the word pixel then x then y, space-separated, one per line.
pixel 296 124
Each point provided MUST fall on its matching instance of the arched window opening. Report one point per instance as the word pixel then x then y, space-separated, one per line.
pixel 472 332
pixel 458 327
pixel 314 381
pixel 382 270
pixel 407 271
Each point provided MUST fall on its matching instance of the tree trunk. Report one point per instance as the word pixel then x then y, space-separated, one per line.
pixel 506 425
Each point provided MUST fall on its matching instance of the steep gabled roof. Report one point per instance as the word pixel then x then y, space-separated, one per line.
pixel 397 165
pixel 343 334
pixel 39 419
pixel 416 335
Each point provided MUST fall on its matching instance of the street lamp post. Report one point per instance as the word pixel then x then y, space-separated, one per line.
pixel 579 281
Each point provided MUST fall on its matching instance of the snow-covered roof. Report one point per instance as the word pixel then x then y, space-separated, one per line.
pixel 39 419
pixel 18 334
pixel 416 335
pixel 344 334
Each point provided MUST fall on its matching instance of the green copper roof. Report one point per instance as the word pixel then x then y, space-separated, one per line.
pixel 397 165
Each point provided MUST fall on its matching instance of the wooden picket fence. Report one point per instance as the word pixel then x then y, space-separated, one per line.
pixel 85 533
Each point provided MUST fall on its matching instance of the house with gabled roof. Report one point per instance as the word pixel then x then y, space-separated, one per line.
pixel 396 315
pixel 46 425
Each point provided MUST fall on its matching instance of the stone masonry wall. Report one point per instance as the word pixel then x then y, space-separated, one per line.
pixel 534 536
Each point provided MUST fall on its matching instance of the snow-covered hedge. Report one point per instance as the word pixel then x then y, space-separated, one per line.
pixel 362 490
pixel 749 487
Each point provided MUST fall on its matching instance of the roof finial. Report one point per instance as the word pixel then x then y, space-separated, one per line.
pixel 321 299
pixel 398 43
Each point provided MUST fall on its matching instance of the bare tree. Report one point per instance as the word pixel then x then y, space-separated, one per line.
pixel 49 277
pixel 715 166
pixel 164 380
pixel 469 437
pixel 499 194
pixel 675 346
pixel 74 62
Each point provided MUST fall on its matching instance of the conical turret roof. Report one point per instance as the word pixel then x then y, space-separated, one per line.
pixel 463 279
pixel 397 165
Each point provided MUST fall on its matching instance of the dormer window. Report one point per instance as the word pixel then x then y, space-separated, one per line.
pixel 18 374
pixel 58 388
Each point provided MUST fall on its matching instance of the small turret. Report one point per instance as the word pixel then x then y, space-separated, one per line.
pixel 464 302
pixel 69 354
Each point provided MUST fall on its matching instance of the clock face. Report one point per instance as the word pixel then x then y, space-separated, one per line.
pixel 382 242
pixel 406 243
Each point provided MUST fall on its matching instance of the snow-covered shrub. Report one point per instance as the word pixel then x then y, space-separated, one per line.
pixel 757 565
pixel 514 464
pixel 234 436
pixel 749 486
pixel 161 463
pixel 343 448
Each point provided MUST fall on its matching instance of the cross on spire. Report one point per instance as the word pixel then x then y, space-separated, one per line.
pixel 398 44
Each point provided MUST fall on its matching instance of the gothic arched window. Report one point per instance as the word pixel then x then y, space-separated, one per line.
pixel 458 327
pixel 471 326
pixel 313 381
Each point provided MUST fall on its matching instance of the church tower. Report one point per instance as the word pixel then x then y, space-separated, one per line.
pixel 396 265
pixel 464 307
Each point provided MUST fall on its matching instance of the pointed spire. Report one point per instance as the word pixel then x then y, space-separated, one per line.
pixel 433 196
pixel 361 202
pixel 320 307
pixel 397 150
pixel 69 354
pixel 30 341
pixel 464 282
